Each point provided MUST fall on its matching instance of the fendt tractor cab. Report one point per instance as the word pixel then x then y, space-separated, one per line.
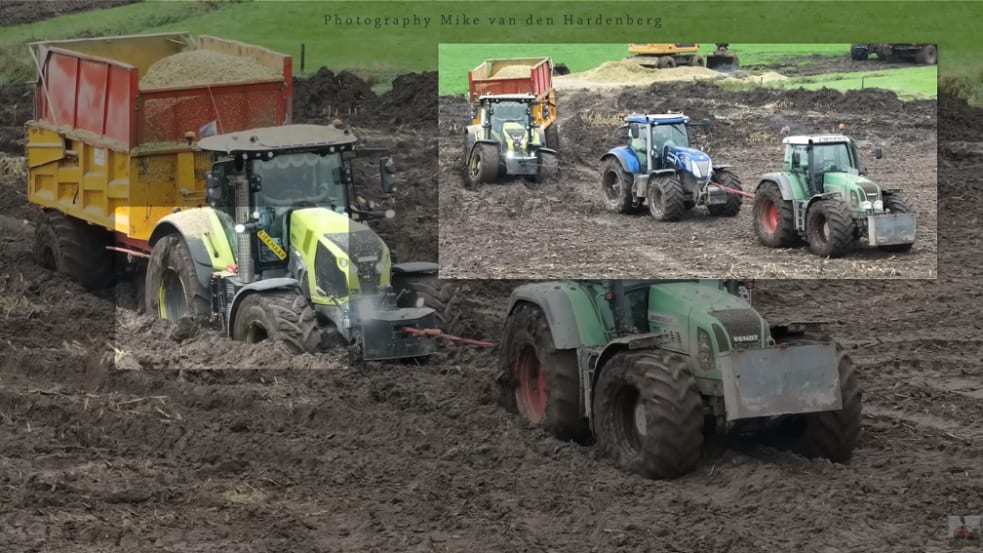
pixel 510 139
pixel 823 196
pixel 278 254
pixel 658 167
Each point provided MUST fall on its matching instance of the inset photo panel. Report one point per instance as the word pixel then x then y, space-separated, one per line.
pixel 631 160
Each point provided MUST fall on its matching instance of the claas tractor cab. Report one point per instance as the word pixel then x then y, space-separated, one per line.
pixel 824 196
pixel 658 168
pixel 508 138
pixel 277 252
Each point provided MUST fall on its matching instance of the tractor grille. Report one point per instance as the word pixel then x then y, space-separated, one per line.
pixel 742 325
pixel 365 250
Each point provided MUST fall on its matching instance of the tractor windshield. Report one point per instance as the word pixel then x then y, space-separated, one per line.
pixel 669 135
pixel 303 179
pixel 829 158
pixel 504 112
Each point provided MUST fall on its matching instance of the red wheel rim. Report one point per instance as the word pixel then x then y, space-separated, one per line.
pixel 769 216
pixel 530 389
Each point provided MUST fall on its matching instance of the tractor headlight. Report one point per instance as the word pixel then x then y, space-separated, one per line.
pixel 705 350
pixel 866 204
pixel 878 205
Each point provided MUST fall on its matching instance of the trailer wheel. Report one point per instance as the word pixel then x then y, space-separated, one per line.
pixel 442 296
pixel 896 203
pixel 927 55
pixel 733 205
pixel 172 289
pixel 281 316
pixel 648 415
pixel 831 230
pixel 76 249
pixel 666 199
pixel 538 381
pixel 616 186
pixel 774 218
pixel 483 165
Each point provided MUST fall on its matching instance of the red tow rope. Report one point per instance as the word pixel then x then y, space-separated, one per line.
pixel 439 334
pixel 733 190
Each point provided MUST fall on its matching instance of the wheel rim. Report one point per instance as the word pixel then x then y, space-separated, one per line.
pixel 256 333
pixel 630 423
pixel 769 216
pixel 172 303
pixel 475 164
pixel 656 203
pixel 611 185
pixel 530 391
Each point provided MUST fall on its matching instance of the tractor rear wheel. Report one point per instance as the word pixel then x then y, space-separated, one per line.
pixel 666 199
pixel 549 167
pixel 896 203
pixel 76 249
pixel 427 290
pixel 733 205
pixel 648 415
pixel 552 137
pixel 538 381
pixel 279 316
pixel 483 165
pixel 774 218
pixel 616 186
pixel 830 228
pixel 172 289
pixel 927 55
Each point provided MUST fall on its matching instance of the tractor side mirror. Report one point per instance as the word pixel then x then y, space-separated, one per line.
pixel 214 188
pixel 878 153
pixel 634 131
pixel 473 111
pixel 387 175
pixel 546 111
pixel 707 126
pixel 796 159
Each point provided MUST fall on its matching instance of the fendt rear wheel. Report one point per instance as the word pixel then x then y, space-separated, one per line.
pixel 648 415
pixel 279 316
pixel 666 199
pixel 895 203
pixel 76 249
pixel 173 290
pixel 538 381
pixel 733 205
pixel 830 228
pixel 483 165
pixel 442 296
pixel 616 186
pixel 774 219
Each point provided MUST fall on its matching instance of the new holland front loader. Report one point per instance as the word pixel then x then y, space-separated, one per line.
pixel 251 227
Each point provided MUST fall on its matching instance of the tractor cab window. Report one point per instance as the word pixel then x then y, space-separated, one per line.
pixel 297 180
pixel 669 135
pixel 802 158
pixel 637 140
pixel 833 158
pixel 508 112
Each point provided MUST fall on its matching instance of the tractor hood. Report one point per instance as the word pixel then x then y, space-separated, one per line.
pixel 855 190
pixel 691 160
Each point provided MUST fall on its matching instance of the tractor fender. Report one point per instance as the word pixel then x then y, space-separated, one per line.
pixel 627 158
pixel 473 140
pixel 256 287
pixel 626 343
pixel 203 234
pixel 561 303
pixel 722 166
pixel 781 180
pixel 415 267
pixel 547 150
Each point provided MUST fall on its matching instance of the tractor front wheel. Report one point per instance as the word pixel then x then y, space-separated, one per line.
pixel 648 415
pixel 733 205
pixel 74 248
pixel 172 289
pixel 666 200
pixel 895 203
pixel 549 167
pixel 279 316
pixel 552 136
pixel 537 380
pixel 483 164
pixel 774 219
pixel 616 186
pixel 830 228
pixel 427 290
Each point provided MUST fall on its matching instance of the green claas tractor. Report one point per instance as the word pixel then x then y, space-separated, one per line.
pixel 510 135
pixel 644 369
pixel 823 196
pixel 277 253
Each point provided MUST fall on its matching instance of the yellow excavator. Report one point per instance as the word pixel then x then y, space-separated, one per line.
pixel 671 55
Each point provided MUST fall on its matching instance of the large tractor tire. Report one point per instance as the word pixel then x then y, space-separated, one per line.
pixel 895 203
pixel 552 136
pixel 667 62
pixel 830 229
pixel 666 199
pixel 616 186
pixel 774 218
pixel 697 61
pixel 927 55
pixel 483 165
pixel 648 415
pixel 538 381
pixel 830 434
pixel 442 296
pixel 173 290
pixel 733 205
pixel 281 316
pixel 76 249
pixel 549 167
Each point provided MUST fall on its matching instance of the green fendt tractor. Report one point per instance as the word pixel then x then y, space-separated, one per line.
pixel 645 368
pixel 277 254
pixel 823 196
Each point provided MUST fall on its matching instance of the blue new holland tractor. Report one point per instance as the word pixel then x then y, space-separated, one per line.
pixel 657 168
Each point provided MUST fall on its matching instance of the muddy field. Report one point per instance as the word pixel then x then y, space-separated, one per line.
pixel 562 229
pixel 121 433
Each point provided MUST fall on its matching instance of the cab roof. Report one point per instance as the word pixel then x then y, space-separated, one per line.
pixel 288 137
pixel 507 97
pixel 657 118
pixel 816 139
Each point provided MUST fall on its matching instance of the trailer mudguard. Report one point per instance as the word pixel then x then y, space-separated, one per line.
pixel 205 236
pixel 573 318
pixel 627 158
pixel 781 180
